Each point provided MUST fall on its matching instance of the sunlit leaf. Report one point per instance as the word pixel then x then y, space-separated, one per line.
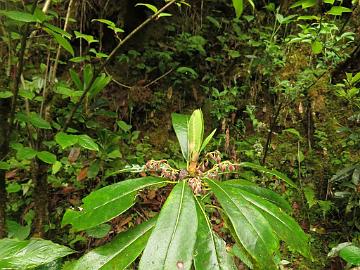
pixel 106 203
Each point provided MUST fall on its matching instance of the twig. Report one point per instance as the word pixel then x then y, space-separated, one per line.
pixel 110 57
pixel 159 78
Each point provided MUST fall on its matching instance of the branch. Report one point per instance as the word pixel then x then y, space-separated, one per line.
pixel 110 57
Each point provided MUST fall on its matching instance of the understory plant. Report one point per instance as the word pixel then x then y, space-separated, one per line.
pixel 182 234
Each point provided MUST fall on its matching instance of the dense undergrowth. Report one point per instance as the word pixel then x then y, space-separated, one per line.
pixel 279 81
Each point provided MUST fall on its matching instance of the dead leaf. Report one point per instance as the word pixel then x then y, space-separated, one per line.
pixel 74 154
pixel 82 174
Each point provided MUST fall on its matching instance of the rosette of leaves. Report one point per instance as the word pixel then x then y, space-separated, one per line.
pixel 181 236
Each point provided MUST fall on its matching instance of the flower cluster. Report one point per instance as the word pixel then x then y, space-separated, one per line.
pixel 161 168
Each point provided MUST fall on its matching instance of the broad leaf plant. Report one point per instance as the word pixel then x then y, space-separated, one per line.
pixel 182 235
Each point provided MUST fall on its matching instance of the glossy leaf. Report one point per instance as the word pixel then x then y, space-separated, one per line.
pixel 269 172
pixel 285 227
pixel 264 193
pixel 252 230
pixel 108 202
pixel 16 254
pixel 172 241
pixel 210 249
pixel 195 134
pixel 120 252
pixel 180 123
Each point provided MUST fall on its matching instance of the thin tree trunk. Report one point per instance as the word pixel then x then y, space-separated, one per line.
pixel 4 146
pixel 39 176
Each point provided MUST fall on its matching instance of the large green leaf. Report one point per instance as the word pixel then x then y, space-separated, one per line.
pixel 172 241
pixel 120 252
pixel 195 134
pixel 282 224
pixel 210 249
pixel 252 230
pixel 180 123
pixel 28 254
pixel 269 172
pixel 108 202
pixel 264 193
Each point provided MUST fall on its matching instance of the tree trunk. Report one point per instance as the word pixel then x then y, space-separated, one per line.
pixel 4 149
pixel 39 177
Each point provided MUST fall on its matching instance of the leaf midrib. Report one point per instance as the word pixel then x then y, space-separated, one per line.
pixel 176 223
pixel 239 212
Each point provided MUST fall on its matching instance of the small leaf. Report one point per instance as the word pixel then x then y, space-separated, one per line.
pixel 6 94
pixel 66 140
pixel 25 153
pixel 46 157
pixel 4 166
pixel 86 142
pixel 63 42
pixel 76 79
pixel 316 47
pixel 16 254
pixel 187 70
pixel 90 39
pixel 56 167
pixel 338 11
pixel 151 7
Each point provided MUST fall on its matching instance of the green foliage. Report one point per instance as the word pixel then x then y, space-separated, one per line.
pixel 256 217
pixel 28 254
